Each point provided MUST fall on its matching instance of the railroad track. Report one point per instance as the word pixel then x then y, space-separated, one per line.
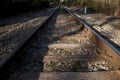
pixel 63 49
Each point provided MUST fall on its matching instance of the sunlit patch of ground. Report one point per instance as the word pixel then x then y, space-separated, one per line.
pixel 107 25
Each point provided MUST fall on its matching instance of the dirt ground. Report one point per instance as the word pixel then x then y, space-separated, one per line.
pixel 107 25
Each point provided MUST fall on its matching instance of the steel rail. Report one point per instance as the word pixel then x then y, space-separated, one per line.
pixel 110 43
pixel 6 60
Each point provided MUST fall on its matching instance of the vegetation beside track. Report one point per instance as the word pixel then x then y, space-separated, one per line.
pixel 108 7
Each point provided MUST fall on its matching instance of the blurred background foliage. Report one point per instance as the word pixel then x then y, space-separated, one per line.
pixel 108 7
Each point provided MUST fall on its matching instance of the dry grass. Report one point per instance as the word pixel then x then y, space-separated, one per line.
pixel 116 24
pixel 108 7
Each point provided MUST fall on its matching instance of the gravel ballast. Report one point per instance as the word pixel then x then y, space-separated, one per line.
pixel 109 26
pixel 15 30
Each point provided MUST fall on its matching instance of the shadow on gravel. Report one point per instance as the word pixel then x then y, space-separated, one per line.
pixel 27 64
pixel 18 19
pixel 108 20
pixel 30 64
pixel 45 36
